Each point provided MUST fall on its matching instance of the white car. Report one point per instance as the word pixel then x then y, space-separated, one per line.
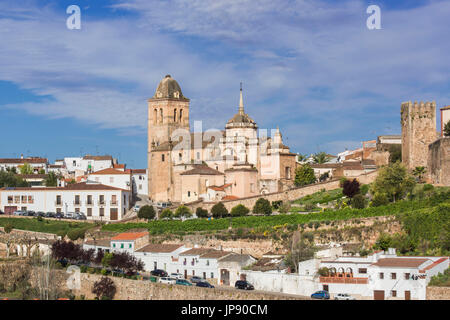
pixel 167 280
pixel 343 296
pixel 177 275
pixel 136 208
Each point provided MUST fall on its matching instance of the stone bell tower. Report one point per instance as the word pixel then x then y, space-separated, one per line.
pixel 168 110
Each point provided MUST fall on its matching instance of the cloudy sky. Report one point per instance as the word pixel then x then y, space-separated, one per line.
pixel 311 67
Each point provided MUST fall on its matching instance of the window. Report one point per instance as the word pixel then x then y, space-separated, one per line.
pixel 207 262
pixel 162 158
pixel 89 199
pixel 180 156
pixel 89 212
pixel 10 199
pixel 175 115
pixel 394 293
pixel 114 245
pixel 24 199
pixel 16 199
pixel 212 275
pixel 362 270
pixel 77 209
pixel 204 275
pixel 121 246
pixel 114 199
pixel 407 276
pixel 288 173
pixel 181 114
pixel 102 212
pixel 393 276
pixel 189 193
pixel 381 275
pixel 101 199
pixel 129 246
pixel 58 199
pixel 30 199
pixel 155 116
pixel 77 199
pixel 161 120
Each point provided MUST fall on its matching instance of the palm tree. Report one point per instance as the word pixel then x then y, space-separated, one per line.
pixel 321 157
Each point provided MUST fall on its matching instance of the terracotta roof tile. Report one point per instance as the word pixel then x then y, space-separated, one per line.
pixel 400 262
pixel 162 248
pixel 129 236
pixel 109 171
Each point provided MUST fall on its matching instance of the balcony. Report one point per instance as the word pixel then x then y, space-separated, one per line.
pixel 89 203
pixel 346 280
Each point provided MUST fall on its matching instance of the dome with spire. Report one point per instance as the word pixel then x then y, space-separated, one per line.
pixel 168 88
pixel 241 119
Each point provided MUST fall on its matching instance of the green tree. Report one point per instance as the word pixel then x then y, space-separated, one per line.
pixel 201 213
pixel 41 171
pixel 447 129
pixel 9 179
pixel 107 257
pixel 219 210
pixel 239 211
pixel 321 157
pixel 51 180
pixel 302 157
pixel 394 181
pixel 383 242
pixel 166 214
pixel 418 172
pixel 262 206
pixel 379 199
pixel 395 153
pixel 304 175
pixel 183 211
pixel 26 169
pixel 146 212
pixel 359 201
pixel 301 248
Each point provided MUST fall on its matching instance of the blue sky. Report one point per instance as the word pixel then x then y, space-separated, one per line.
pixel 310 67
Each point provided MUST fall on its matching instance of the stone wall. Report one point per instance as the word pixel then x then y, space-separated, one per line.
pixel 438 293
pixel 439 161
pixel 128 289
pixel 291 194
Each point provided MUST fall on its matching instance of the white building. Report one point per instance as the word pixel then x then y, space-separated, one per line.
pixel 382 275
pixel 96 201
pixel 88 164
pixel 140 181
pixel 129 241
pixel 36 163
pixel 161 256
pixel 113 178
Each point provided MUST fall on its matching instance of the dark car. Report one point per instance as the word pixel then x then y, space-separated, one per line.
pixel 196 279
pixel 80 216
pixel 50 215
pixel 244 285
pixel 39 214
pixel 324 295
pixel 59 215
pixel 30 213
pixel 183 282
pixel 158 273
pixel 204 284
pixel 1 212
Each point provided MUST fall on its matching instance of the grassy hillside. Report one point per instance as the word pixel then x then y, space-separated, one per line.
pixel 48 226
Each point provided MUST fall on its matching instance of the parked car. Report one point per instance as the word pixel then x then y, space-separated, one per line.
pixel 39 214
pixel 50 215
pixel 343 296
pixel 195 279
pixel 244 285
pixel 79 216
pixel 183 282
pixel 163 205
pixel 176 275
pixel 158 273
pixel 321 295
pixel 1 212
pixel 167 280
pixel 69 215
pixel 204 284
pixel 59 215
pixel 136 208
pixel 19 213
pixel 30 213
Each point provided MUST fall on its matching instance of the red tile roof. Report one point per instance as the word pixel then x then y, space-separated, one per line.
pixel 160 248
pixel 25 160
pixel 230 198
pixel 138 171
pixel 431 266
pixel 130 236
pixel 400 262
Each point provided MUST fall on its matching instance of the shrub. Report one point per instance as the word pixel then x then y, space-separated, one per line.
pixel 342 181
pixel 166 214
pixel 323 272
pixel 310 207
pixel 285 207
pixel 183 211
pixel 76 234
pixel 428 187
pixel 380 199
pixel 104 289
pixel 276 204
pixel 351 188
pixel 262 206
pixel 201 213
pixel 304 175
pixel 239 211
pixel 359 202
pixel 146 212
pixel 219 210
pixel 364 189
pixel 83 268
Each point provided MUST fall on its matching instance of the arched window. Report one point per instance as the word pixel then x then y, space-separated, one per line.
pixel 175 115
pixel 181 114
pixel 161 116
pixel 155 116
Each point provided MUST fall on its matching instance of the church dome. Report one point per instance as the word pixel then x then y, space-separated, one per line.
pixel 168 88
pixel 241 119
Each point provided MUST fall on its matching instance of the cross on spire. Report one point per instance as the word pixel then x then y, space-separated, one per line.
pixel 241 103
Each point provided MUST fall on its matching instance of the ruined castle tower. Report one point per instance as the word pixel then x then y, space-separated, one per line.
pixel 168 110
pixel 418 122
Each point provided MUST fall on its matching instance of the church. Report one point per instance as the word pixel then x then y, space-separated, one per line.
pixel 212 165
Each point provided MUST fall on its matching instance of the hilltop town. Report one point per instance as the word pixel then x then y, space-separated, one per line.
pixel 234 209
